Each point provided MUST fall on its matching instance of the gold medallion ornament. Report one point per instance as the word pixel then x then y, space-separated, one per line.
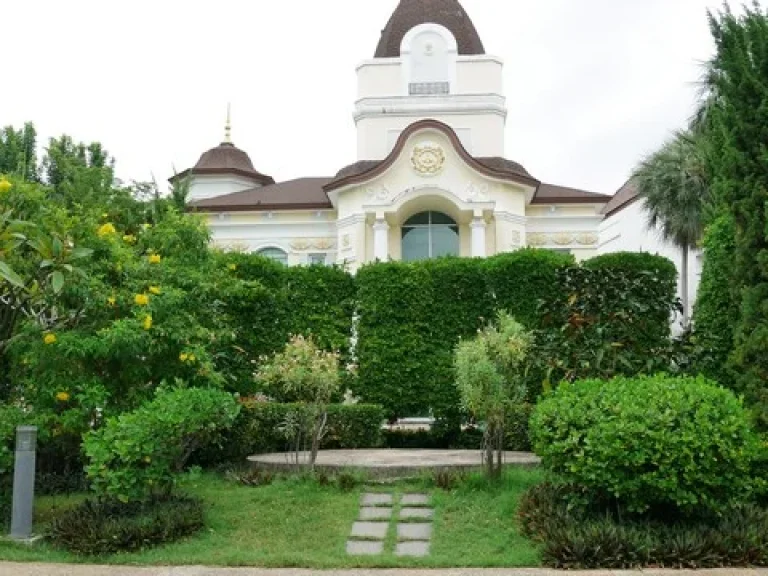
pixel 428 158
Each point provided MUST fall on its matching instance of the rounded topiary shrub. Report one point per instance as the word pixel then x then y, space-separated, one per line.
pixel 108 526
pixel 649 441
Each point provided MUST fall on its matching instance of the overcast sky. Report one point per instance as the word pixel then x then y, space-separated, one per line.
pixel 591 85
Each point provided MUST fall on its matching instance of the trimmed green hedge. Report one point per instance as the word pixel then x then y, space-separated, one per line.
pixel 412 315
pixel 519 280
pixel 257 431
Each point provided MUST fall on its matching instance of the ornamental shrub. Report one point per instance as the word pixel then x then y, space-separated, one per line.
pixel 610 316
pixel 519 280
pixel 257 431
pixel 578 538
pixel 489 376
pixel 649 441
pixel 717 308
pixel 110 526
pixel 139 453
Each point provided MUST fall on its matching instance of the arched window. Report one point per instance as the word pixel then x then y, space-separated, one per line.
pixel 430 235
pixel 274 254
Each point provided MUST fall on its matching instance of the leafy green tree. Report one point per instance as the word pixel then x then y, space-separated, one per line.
pixel 18 154
pixel 738 79
pixel 80 174
pixel 673 183
pixel 490 378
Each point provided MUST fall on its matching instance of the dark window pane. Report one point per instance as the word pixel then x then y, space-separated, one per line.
pixel 440 218
pixel 418 220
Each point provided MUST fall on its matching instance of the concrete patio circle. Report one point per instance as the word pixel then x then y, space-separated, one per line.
pixel 390 463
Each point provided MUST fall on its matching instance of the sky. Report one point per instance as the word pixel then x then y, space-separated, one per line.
pixel 592 85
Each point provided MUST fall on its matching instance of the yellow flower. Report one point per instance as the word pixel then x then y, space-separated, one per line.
pixel 141 299
pixel 232 267
pixel 129 239
pixel 155 290
pixel 147 322
pixel 62 396
pixel 154 258
pixel 192 358
pixel 49 339
pixel 183 356
pixel 112 300
pixel 5 186
pixel 105 230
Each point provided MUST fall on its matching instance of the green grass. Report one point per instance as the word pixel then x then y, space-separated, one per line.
pixel 298 523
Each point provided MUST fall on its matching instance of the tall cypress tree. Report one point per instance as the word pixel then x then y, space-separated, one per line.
pixel 739 124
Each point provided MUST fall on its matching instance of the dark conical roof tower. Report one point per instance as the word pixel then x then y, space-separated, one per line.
pixel 411 13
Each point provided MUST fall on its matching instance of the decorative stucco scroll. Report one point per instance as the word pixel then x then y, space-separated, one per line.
pixel 562 239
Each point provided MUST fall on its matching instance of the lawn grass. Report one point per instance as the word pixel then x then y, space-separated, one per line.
pixel 298 523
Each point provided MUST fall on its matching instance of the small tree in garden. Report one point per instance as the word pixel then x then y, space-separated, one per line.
pixel 304 374
pixel 489 376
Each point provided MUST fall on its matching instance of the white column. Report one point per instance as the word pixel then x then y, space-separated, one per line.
pixel 478 227
pixel 381 240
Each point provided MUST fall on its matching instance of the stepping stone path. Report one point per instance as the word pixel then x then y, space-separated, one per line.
pixel 413 525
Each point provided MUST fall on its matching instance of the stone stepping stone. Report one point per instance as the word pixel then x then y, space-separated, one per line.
pixel 364 547
pixel 422 513
pixel 370 530
pixel 377 500
pixel 417 549
pixel 415 500
pixel 421 531
pixel 375 513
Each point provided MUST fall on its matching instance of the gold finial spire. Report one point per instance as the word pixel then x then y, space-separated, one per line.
pixel 228 126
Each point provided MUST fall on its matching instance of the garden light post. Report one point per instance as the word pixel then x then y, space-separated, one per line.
pixel 23 483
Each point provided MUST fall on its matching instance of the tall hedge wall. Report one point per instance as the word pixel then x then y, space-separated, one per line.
pixel 411 315
pixel 277 301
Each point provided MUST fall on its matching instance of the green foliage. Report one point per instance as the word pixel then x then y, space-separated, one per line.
pixel 139 453
pixel 18 155
pixel 575 538
pixel 610 316
pixel 683 443
pixel 412 315
pixel 735 144
pixel 257 430
pixel 717 307
pixel 489 376
pixel 96 528
pixel 519 280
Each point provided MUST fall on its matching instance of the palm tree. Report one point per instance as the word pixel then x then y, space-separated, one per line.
pixel 673 183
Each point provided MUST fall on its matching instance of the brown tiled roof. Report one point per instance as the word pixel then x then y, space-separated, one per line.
pixel 626 195
pixel 226 158
pixel 552 194
pixel 494 167
pixel 411 13
pixel 299 194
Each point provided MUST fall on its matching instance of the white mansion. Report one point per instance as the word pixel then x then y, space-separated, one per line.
pixel 430 178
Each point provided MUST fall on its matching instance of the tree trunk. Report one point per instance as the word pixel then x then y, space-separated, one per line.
pixel 317 436
pixel 684 285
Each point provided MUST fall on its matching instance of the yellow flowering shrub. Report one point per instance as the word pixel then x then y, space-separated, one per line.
pixel 154 258
pixel 105 230
pixel 147 323
pixel 141 299
pixel 154 290
pixel 49 339
pixel 5 186
pixel 63 396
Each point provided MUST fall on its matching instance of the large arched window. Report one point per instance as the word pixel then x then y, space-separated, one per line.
pixel 274 254
pixel 430 235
